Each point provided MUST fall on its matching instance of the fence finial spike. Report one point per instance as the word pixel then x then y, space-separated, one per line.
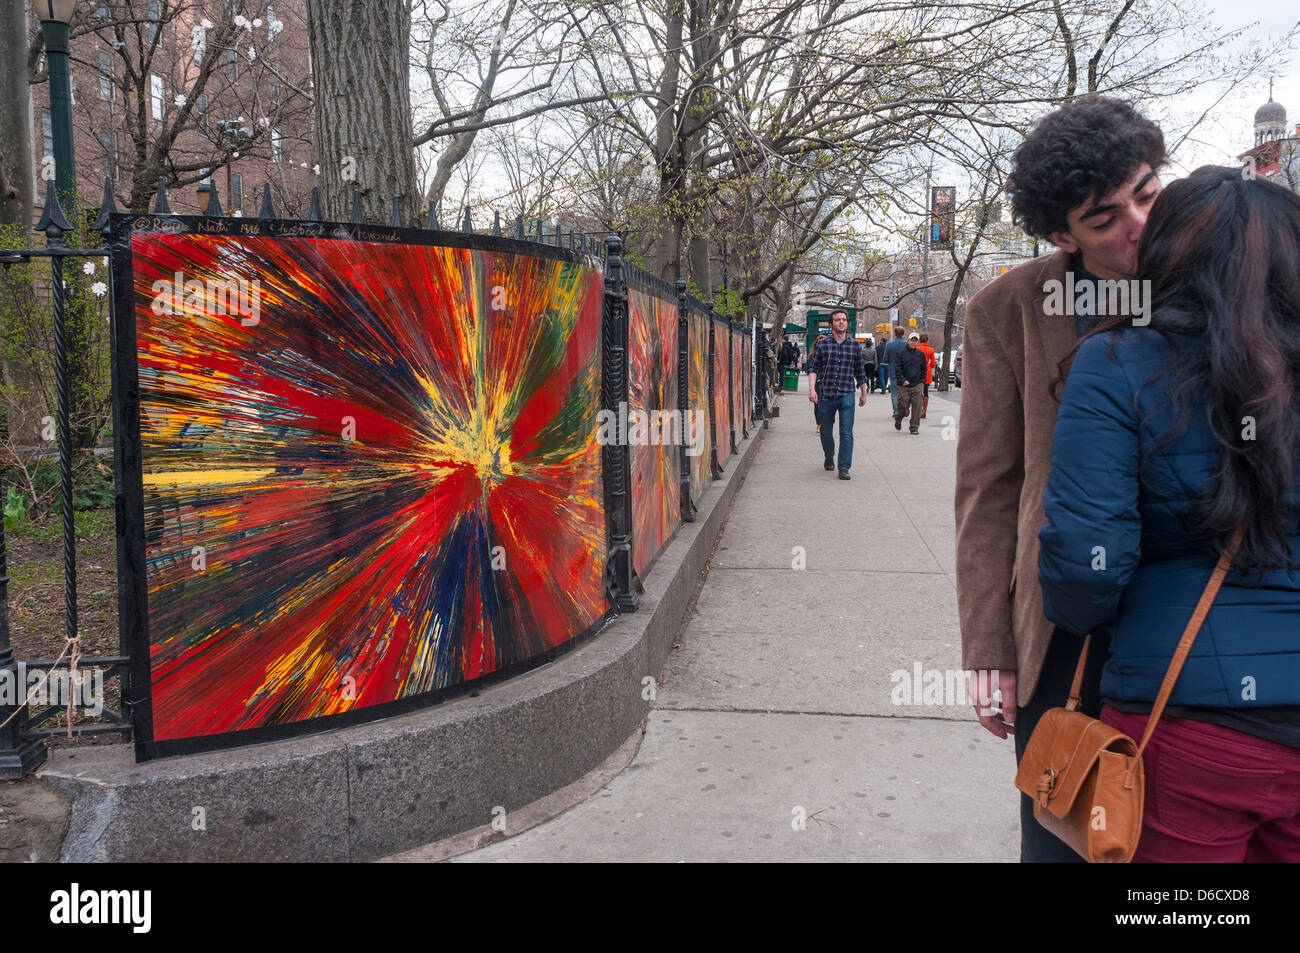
pixel 557 233
pixel 396 220
pixel 541 236
pixel 313 213
pixel 160 205
pixel 467 226
pixel 356 208
pixel 107 206
pixel 52 216
pixel 268 210
pixel 496 224
pixel 431 219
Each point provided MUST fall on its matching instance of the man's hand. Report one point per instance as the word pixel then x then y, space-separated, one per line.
pixel 1000 719
pixel 812 394
pixel 862 395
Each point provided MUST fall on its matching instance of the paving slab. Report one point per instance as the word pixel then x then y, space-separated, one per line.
pixel 719 786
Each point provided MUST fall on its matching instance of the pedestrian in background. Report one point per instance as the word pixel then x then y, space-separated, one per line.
pixel 882 366
pixel 837 368
pixel 892 350
pixel 909 375
pixel 869 353
pixel 925 348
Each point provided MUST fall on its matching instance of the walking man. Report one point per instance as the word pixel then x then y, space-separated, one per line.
pixel 837 365
pixel 892 350
pixel 924 347
pixel 1085 179
pixel 909 372
pixel 882 367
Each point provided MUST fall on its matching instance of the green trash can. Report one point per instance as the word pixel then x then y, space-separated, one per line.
pixel 791 381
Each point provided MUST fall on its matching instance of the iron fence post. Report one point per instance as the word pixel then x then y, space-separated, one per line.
pixel 684 397
pixel 617 458
pixel 713 389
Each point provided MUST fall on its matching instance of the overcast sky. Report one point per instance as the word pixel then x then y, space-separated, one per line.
pixel 1231 131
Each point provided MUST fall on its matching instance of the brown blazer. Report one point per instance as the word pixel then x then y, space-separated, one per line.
pixel 1011 354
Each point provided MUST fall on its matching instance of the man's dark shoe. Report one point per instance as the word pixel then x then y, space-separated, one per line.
pixel 828 464
pixel 844 474
pixel 898 423
pixel 913 430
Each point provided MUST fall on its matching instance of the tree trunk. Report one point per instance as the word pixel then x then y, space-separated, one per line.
pixel 359 66
pixel 17 176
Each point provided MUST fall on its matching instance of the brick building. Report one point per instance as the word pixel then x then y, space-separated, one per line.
pixel 194 91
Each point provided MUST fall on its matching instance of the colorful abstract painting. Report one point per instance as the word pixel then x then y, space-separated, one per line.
pixel 654 423
pixel 737 384
pixel 747 377
pixel 370 470
pixel 700 433
pixel 722 389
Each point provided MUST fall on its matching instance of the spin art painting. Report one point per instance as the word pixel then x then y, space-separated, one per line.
pixel 701 433
pixel 367 470
pixel 722 389
pixel 654 423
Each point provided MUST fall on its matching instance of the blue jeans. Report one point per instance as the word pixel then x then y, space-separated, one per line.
pixel 826 408
pixel 883 374
pixel 893 394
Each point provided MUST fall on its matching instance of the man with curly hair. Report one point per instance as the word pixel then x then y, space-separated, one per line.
pixel 1084 179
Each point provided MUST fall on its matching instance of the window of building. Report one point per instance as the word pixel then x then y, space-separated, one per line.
pixel 108 150
pixel 47 132
pixel 199 40
pixel 157 96
pixel 236 190
pixel 232 63
pixel 155 16
pixel 207 177
pixel 106 75
pixel 275 94
pixel 276 150
pixel 201 113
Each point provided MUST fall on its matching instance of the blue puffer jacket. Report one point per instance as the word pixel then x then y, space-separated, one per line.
pixel 1153 571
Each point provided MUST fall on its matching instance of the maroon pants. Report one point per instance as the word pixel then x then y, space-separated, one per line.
pixel 1214 794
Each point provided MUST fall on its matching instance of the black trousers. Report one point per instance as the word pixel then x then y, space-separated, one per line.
pixel 1037 846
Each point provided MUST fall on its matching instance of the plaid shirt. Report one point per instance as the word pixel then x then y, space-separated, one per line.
pixel 839 367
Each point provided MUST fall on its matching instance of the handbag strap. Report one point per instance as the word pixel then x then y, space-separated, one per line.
pixel 1185 643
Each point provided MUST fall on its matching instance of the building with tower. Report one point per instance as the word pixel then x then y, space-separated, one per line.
pixel 1276 153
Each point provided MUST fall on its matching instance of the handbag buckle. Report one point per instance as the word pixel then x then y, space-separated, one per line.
pixel 1046 783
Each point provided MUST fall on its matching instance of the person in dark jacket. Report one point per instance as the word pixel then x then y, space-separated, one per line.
pixel 1168 437
pixel 892 350
pixel 882 366
pixel 909 374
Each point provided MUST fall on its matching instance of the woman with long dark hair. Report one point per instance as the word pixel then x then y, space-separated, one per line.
pixel 1169 436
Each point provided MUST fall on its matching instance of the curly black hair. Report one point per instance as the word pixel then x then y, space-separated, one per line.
pixel 1082 151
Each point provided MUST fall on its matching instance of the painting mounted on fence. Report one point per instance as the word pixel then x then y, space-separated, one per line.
pixel 747 378
pixel 365 472
pixel 654 423
pixel 737 383
pixel 701 433
pixel 721 390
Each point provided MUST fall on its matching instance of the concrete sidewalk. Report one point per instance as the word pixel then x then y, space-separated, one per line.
pixel 775 734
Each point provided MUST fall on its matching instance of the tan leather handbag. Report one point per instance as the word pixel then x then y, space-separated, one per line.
pixel 1086 777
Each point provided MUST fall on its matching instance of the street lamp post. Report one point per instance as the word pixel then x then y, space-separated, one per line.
pixel 55 16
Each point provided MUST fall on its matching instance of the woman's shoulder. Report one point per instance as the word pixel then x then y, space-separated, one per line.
pixel 1130 351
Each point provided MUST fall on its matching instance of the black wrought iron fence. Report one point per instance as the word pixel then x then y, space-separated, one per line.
pixel 25 723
